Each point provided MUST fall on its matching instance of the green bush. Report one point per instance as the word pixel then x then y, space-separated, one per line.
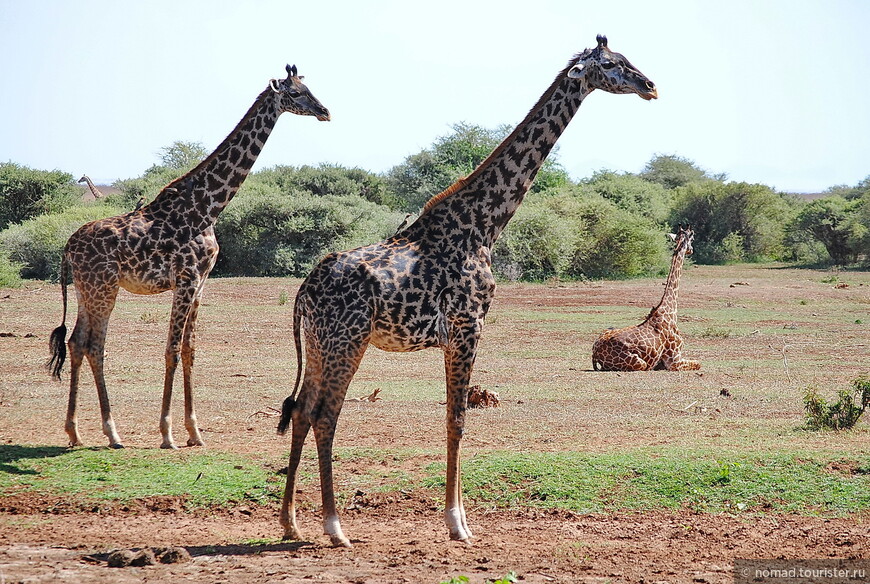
pixel 631 193
pixel 841 414
pixel 734 221
pixel 836 223
pixel 328 179
pixel 265 232
pixel 536 244
pixel 26 193
pixel 10 272
pixel 37 244
pixel 576 235
pixel 672 171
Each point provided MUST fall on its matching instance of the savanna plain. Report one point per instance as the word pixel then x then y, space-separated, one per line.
pixel 577 476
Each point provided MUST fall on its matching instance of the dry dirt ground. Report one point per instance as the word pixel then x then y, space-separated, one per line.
pixel 761 334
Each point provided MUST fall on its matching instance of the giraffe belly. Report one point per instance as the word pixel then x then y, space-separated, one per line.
pixel 138 287
pixel 400 339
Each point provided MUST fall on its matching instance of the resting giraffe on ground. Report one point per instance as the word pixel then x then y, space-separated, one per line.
pixel 430 285
pixel 168 244
pixel 97 193
pixel 655 343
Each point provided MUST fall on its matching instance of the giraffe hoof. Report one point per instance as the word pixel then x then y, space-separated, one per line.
pixel 461 536
pixel 169 446
pixel 340 541
pixel 195 442
pixel 116 446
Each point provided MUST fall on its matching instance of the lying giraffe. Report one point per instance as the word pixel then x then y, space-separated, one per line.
pixel 168 244
pixel 430 285
pixel 655 343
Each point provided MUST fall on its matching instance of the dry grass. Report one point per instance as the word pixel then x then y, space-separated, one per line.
pixel 786 329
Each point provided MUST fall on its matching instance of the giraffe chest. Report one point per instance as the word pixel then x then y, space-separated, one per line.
pixel 415 309
pixel 150 265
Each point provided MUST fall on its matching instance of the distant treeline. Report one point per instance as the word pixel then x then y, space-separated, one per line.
pixel 608 225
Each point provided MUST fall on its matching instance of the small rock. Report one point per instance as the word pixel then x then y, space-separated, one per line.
pixel 173 555
pixel 120 558
pixel 144 558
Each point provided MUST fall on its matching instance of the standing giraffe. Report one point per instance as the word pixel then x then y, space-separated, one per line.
pixel 656 342
pixel 168 244
pixel 430 285
pixel 97 193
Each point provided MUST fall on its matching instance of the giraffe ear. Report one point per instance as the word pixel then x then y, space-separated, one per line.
pixel 275 85
pixel 576 72
pixel 673 236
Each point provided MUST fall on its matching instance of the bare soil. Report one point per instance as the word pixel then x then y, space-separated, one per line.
pixel 761 334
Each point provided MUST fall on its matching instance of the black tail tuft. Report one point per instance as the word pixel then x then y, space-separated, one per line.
pixel 286 415
pixel 57 344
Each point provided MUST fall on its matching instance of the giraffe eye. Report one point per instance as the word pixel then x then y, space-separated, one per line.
pixel 293 93
pixel 608 65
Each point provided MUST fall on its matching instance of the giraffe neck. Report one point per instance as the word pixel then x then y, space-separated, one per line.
pixel 94 190
pixel 199 196
pixel 484 201
pixel 667 308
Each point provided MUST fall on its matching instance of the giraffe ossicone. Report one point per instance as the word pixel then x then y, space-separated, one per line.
pixel 430 285
pixel 656 343
pixel 168 244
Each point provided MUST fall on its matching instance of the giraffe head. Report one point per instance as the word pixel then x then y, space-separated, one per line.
pixel 610 71
pixel 291 95
pixel 683 239
pixel 83 179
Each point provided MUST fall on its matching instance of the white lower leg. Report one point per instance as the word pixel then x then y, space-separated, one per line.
pixel 332 528
pixel 72 430
pixel 455 520
pixel 110 431
pixel 166 431
pixel 194 437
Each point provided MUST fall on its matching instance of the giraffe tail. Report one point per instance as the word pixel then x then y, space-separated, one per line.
pixel 57 340
pixel 290 403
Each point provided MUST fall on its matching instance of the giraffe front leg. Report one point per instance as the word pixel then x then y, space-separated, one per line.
pixel 685 365
pixel 674 361
pixel 324 433
pixel 459 358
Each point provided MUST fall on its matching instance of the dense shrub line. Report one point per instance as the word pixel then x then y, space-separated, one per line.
pixel 609 225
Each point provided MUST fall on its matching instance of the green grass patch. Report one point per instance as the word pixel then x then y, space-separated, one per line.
pixel 809 483
pixel 784 483
pixel 123 475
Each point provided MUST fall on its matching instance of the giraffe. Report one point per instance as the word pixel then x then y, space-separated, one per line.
pixel 430 285
pixel 97 193
pixel 168 244
pixel 656 342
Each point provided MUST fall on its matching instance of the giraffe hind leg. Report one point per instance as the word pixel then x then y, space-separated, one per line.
pixel 76 356
pixel 94 336
pixel 188 348
pixel 287 516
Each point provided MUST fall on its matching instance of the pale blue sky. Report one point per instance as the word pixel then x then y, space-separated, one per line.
pixel 766 91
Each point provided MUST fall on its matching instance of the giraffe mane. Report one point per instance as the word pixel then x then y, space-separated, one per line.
pixel 180 181
pixel 459 184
